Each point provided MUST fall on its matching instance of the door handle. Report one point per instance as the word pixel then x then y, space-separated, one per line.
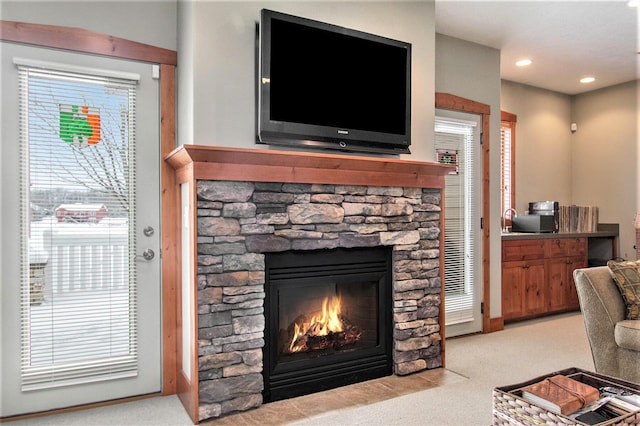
pixel 148 254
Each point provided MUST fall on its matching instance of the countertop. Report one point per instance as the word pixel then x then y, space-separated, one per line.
pixel 605 230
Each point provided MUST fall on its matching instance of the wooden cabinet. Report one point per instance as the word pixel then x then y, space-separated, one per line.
pixel 523 288
pixel 564 255
pixel 537 276
pixel 523 277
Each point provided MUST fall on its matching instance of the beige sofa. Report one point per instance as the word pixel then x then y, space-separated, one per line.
pixel 614 341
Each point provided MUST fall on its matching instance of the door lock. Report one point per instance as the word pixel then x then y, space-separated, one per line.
pixel 148 254
pixel 148 231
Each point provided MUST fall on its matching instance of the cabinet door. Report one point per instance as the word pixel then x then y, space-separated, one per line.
pixel 523 286
pixel 557 283
pixel 534 283
pixel 561 289
pixel 513 278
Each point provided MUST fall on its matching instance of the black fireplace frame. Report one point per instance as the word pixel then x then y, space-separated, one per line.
pixel 305 376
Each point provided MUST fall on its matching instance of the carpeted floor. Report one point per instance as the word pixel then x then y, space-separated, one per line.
pixel 475 366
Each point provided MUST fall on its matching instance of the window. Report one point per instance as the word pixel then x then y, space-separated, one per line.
pixel 78 277
pixel 507 164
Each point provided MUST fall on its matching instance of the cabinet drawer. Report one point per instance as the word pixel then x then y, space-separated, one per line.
pixel 566 247
pixel 522 250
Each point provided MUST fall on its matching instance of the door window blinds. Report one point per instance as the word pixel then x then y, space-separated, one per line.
pixel 78 295
pixel 460 220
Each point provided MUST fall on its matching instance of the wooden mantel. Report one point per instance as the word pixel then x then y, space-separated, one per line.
pixel 256 165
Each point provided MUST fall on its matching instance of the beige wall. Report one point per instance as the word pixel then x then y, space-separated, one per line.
pixel 217 80
pixel 543 143
pixel 146 21
pixel 597 165
pixel 604 157
pixel 472 71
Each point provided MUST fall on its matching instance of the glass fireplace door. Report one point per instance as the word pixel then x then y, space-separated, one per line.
pixel 328 320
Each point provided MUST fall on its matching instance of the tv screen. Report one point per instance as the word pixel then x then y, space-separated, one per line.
pixel 326 86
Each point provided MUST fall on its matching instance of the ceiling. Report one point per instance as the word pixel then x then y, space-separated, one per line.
pixel 566 40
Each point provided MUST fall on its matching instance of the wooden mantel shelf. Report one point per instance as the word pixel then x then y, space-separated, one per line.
pixel 256 165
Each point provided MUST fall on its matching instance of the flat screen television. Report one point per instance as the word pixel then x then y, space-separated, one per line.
pixel 325 86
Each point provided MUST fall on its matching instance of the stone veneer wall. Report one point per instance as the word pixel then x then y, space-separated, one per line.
pixel 239 221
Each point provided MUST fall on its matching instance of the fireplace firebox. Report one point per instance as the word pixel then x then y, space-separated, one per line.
pixel 328 319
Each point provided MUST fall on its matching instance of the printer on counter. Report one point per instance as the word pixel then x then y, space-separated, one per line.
pixel 544 216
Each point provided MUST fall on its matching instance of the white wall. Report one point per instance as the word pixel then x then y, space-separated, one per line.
pixel 217 79
pixel 543 143
pixel 472 71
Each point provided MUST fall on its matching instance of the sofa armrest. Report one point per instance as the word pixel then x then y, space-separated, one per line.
pixel 597 290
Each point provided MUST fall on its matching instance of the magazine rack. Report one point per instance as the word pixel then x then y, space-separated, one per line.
pixel 509 408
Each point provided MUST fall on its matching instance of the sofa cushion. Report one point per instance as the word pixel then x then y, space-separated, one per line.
pixel 627 277
pixel 627 334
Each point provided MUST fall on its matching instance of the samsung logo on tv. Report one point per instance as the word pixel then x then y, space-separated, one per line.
pixel 343 132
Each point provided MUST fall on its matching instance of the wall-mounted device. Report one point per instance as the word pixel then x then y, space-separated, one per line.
pixel 326 86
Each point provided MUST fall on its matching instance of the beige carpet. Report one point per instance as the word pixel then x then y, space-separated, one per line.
pixel 479 363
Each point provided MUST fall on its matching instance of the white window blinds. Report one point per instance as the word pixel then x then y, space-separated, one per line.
pixel 506 171
pixel 78 290
pixel 461 222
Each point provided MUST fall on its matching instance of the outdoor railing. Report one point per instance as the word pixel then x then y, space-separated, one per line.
pixel 83 256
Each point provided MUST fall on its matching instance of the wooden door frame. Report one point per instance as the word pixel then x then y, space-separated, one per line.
pixel 457 103
pixel 84 41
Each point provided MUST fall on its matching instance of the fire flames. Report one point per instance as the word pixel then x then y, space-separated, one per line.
pixel 326 329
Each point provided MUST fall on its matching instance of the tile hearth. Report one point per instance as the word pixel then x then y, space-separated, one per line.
pixel 359 394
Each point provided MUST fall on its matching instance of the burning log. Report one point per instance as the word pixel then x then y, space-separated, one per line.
pixel 310 341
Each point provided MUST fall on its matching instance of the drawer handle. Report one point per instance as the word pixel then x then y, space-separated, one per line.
pixel 526 267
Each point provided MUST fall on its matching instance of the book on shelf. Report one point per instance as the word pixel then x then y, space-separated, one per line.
pixel 578 218
pixel 560 394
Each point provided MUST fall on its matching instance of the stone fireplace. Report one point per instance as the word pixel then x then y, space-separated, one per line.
pixel 320 206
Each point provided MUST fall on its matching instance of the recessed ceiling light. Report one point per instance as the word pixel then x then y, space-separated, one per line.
pixel 587 80
pixel 633 3
pixel 523 62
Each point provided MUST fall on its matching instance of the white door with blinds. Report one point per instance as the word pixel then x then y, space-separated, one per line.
pixel 457 142
pixel 80 226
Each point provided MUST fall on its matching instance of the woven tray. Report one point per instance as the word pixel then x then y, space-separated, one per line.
pixel 510 409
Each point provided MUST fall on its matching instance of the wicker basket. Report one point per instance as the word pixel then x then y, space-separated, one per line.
pixel 509 408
